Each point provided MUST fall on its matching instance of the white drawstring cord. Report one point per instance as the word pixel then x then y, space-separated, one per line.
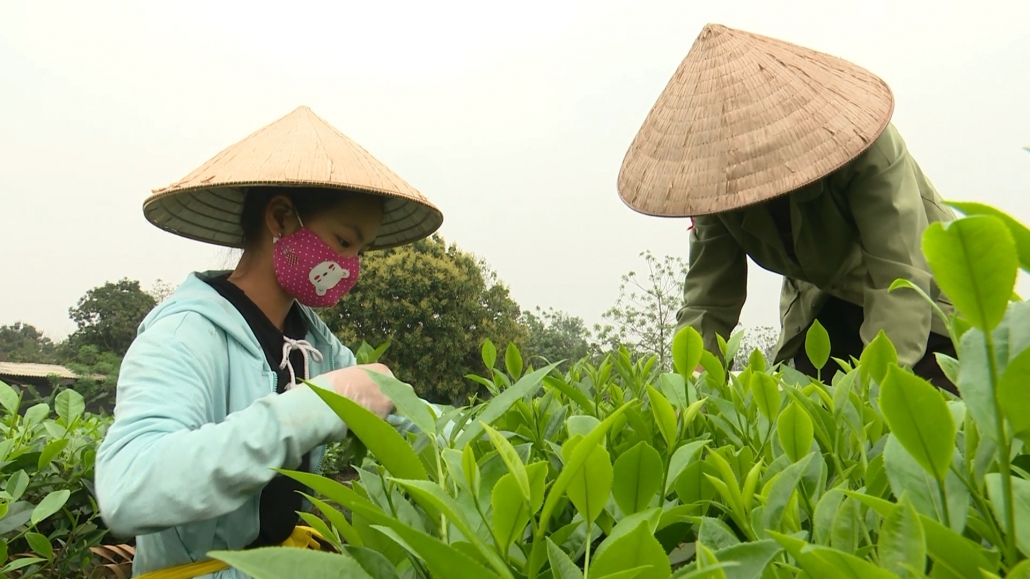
pixel 306 349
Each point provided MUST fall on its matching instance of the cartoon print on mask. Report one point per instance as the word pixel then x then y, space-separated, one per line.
pixel 326 275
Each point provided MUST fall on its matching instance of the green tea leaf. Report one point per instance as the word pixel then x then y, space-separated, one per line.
pixel 949 550
pixel 664 416
pixel 694 486
pixel 687 348
pixel 683 456
pixel 905 474
pixel 562 566
pixel 442 559
pixel 470 470
pixel 919 417
pixel 1020 571
pixel 40 545
pixel 1021 503
pixel 715 534
pixel 17 484
pixel 766 394
pixel 36 413
pixel 373 562
pixel 20 563
pixel 407 403
pixel 343 495
pixel 1020 234
pixel 18 514
pixel 572 392
pixel 572 467
pixel 284 563
pixel 510 517
pixel 1014 394
pixel 756 361
pixel 51 451
pixel 8 398
pixel 825 511
pixel 638 548
pixel 431 495
pixel 817 345
pixel 714 368
pixel 733 345
pixel 975 383
pixel 747 560
pixel 844 533
pixel 877 357
pixel 590 488
pixel 902 543
pixel 69 405
pixel 581 425
pixel 489 353
pixel 526 386
pixel 795 431
pixel 381 439
pixel 50 504
pixel 674 388
pixel 974 261
pixel 638 477
pixel 511 460
pixel 513 361
pixel 653 518
pixel 338 521
pixel 323 529
pixel 782 489
pixel 820 561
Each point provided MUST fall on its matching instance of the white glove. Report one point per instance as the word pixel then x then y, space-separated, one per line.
pixel 355 383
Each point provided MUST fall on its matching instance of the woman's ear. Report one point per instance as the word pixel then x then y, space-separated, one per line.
pixel 281 216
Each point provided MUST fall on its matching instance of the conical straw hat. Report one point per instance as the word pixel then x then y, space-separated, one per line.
pixel 747 118
pixel 299 149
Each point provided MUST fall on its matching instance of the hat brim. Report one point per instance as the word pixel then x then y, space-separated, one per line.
pixel 211 213
pixel 747 118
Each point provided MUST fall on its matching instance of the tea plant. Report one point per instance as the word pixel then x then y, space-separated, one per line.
pixel 48 513
pixel 620 470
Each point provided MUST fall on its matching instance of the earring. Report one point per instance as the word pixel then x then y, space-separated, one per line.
pixel 275 238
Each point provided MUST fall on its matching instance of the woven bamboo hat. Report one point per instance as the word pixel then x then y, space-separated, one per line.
pixel 300 150
pixel 747 118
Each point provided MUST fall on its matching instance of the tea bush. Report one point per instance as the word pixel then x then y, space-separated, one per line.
pixel 48 513
pixel 620 470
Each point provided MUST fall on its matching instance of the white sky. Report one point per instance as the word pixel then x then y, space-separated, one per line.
pixel 512 117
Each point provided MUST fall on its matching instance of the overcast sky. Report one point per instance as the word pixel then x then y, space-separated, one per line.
pixel 513 117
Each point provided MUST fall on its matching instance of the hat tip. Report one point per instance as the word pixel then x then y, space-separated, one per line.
pixel 713 28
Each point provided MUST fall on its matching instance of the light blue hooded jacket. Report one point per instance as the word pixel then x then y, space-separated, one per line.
pixel 198 429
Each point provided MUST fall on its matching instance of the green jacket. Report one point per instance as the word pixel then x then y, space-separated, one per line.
pixel 855 232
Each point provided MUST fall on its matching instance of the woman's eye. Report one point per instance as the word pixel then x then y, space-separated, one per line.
pixel 344 242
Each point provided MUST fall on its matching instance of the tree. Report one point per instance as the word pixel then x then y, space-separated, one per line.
pixel 435 304
pixel 644 317
pixel 555 335
pixel 24 343
pixel 762 338
pixel 109 315
pixel 161 290
pixel 98 380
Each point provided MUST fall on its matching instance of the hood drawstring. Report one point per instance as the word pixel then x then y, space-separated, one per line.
pixel 307 351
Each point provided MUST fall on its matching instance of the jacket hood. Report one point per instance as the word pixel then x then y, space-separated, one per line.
pixel 196 296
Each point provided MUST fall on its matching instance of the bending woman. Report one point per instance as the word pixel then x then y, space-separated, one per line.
pixel 787 156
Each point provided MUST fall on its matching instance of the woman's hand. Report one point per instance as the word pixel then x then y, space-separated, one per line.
pixel 355 383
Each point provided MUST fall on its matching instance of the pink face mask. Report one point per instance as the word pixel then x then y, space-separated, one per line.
pixel 309 270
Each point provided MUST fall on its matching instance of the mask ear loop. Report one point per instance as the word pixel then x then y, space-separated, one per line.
pixel 277 236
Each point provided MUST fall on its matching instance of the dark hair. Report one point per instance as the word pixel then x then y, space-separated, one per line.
pixel 308 201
